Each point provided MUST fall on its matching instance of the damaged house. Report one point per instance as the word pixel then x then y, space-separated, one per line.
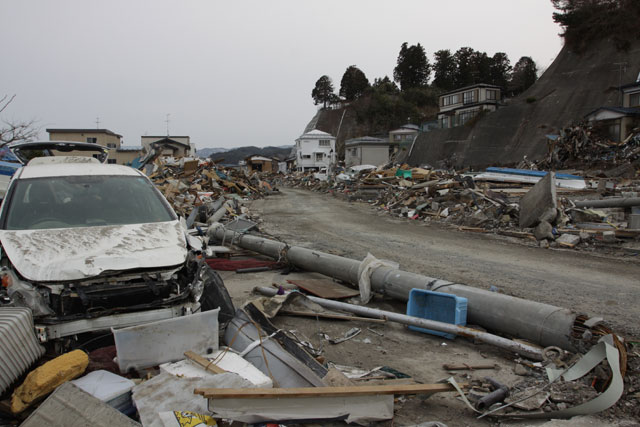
pixel 618 122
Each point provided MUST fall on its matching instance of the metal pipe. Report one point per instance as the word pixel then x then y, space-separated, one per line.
pixel 500 393
pixel 614 202
pixel 517 347
pixel 543 324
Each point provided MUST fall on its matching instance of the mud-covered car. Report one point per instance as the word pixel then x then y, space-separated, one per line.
pixel 90 246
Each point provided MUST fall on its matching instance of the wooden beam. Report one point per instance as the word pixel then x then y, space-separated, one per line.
pixel 464 366
pixel 203 362
pixel 252 393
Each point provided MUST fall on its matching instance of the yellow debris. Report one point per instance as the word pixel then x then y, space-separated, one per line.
pixel 44 379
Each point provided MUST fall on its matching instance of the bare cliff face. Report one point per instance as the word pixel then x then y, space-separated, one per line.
pixel 573 86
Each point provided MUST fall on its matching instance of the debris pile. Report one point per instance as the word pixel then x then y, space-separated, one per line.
pixel 585 147
pixel 224 366
pixel 495 201
pixel 217 364
pixel 190 183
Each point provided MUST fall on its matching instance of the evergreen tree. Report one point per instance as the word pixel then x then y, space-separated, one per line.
pixel 500 72
pixel 480 67
pixel 444 69
pixel 524 75
pixel 464 67
pixel 413 68
pixel 385 85
pixel 323 91
pixel 353 84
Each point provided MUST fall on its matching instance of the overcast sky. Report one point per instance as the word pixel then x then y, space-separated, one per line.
pixel 230 73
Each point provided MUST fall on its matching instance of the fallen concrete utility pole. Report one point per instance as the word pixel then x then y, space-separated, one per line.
pixel 542 324
pixel 614 202
pixel 218 214
pixel 526 350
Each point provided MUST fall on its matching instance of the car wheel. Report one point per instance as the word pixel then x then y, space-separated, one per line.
pixel 215 295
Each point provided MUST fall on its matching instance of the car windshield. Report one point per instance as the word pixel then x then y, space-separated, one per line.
pixel 84 201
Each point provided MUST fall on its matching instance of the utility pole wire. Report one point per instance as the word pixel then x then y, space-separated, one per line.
pixel 6 104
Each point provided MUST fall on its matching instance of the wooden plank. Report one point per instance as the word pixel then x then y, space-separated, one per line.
pixel 248 393
pixel 205 363
pixel 325 288
pixel 330 316
pixel 464 367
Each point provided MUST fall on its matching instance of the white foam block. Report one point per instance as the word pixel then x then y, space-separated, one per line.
pixel 230 362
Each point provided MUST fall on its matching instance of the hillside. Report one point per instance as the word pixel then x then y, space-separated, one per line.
pixel 574 85
pixel 206 152
pixel 234 155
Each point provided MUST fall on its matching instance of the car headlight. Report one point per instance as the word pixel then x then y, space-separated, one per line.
pixel 24 294
pixel 197 287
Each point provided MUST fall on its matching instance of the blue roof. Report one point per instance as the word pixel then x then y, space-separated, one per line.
pixel 513 171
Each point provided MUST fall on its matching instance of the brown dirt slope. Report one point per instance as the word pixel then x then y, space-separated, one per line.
pixel 339 123
pixel 574 85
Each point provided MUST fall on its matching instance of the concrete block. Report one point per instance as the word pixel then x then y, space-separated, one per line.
pixel 550 215
pixel 544 230
pixel 634 221
pixel 44 379
pixel 538 201
pixel 568 240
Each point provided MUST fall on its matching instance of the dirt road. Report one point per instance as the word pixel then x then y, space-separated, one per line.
pixel 586 283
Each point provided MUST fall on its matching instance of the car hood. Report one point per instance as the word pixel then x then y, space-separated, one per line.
pixel 64 254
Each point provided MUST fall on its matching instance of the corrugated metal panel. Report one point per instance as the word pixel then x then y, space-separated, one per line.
pixel 19 347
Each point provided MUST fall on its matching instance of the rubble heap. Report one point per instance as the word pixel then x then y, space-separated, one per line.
pixel 491 201
pixel 583 146
pixel 189 183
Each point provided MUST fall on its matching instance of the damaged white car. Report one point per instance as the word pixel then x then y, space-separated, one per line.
pixel 90 246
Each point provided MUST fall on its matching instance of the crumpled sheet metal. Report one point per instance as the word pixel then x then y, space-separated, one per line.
pixel 285 369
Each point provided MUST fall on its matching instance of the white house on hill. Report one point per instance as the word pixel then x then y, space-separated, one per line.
pixel 315 149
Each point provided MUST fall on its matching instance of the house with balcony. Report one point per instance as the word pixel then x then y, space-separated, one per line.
pixel 459 106
pixel 618 122
pixel 366 150
pixel 315 150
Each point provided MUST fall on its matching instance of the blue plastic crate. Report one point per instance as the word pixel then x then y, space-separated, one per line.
pixel 437 306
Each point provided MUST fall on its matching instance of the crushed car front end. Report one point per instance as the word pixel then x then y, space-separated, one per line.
pixel 89 247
